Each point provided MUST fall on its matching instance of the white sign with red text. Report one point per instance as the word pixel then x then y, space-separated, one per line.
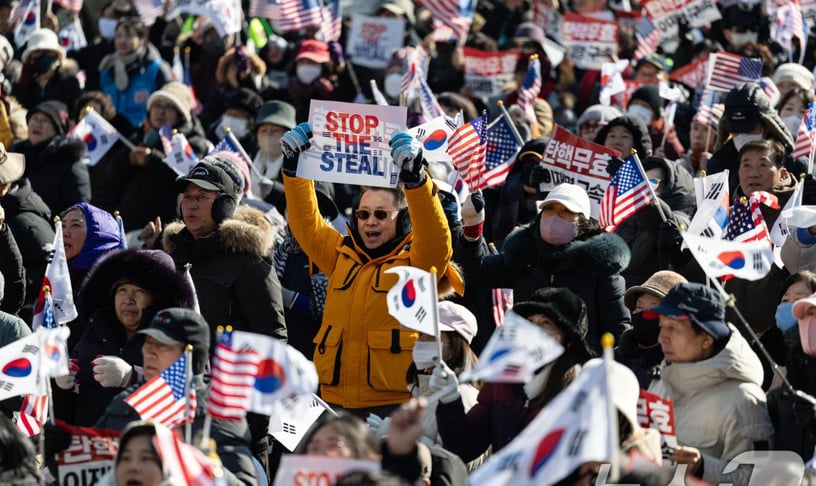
pixel 486 72
pixel 372 40
pixel 299 470
pixel 590 42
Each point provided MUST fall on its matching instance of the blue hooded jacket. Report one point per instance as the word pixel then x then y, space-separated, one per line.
pixel 101 237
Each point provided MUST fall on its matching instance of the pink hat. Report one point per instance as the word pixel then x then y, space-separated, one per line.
pixel 314 50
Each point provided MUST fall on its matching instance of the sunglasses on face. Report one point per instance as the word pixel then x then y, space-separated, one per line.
pixel 364 214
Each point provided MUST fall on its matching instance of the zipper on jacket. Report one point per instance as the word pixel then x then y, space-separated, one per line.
pixel 321 348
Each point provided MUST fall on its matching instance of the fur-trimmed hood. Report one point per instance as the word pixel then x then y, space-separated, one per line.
pixel 247 231
pixel 597 253
pixel 228 72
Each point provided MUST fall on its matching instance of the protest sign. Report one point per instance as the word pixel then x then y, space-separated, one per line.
pixel 486 72
pixel 656 412
pixel 372 40
pixel 299 470
pixel 568 158
pixel 350 143
pixel 89 457
pixel 590 42
pixel 665 14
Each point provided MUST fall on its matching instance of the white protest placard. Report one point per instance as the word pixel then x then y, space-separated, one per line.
pixel 89 457
pixel 568 158
pixel 372 40
pixel 590 42
pixel 350 143
pixel 300 470
pixel 486 72
pixel 700 13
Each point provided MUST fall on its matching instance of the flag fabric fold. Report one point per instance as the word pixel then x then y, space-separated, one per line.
pixel 726 70
pixel 97 134
pixel 530 88
pixel 467 149
pixel 501 149
pixel 162 399
pixel 58 280
pixel 750 260
pixel 183 461
pixel 233 376
pixel 411 301
pixel 627 193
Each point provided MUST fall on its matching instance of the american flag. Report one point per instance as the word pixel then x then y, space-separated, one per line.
pixel 502 298
pixel 265 9
pixel 648 38
pixel 728 70
pixel 183 461
pixel 710 115
pixel 692 75
pixel 332 25
pixel 162 398
pixel 455 14
pixel 805 141
pixel 501 149
pixel 528 92
pixel 33 413
pixel 467 149
pixel 628 193
pixel 226 144
pixel 299 14
pixel 233 377
pixel 745 220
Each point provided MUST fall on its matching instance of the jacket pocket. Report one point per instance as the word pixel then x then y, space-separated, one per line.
pixel 327 355
pixel 389 356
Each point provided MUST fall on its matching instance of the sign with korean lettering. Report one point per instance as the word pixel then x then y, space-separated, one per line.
pixel 372 40
pixel 665 13
pixel 590 42
pixel 486 72
pixel 350 143
pixel 89 457
pixel 300 470
pixel 568 158
pixel 656 412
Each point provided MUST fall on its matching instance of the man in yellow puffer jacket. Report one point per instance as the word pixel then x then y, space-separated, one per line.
pixel 361 352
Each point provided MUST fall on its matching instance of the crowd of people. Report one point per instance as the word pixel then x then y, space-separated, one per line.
pixel 157 260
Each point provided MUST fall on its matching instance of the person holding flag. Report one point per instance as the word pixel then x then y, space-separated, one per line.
pixel 503 410
pixel 713 377
pixel 164 342
pixel 362 354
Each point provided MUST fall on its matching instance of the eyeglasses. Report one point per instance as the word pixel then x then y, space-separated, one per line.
pixel 654 182
pixel 381 214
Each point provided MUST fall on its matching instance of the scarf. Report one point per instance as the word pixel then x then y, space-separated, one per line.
pixel 120 63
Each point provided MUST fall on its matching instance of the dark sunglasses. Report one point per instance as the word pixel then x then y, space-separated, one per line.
pixel 364 214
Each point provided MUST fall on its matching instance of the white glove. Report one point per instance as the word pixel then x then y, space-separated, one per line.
pixel 378 425
pixel 68 381
pixel 111 371
pixel 443 384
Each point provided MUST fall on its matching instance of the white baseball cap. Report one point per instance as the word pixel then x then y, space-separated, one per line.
pixel 571 196
pixel 455 317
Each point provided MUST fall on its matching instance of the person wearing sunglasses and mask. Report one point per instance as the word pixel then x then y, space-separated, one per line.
pixel 561 247
pixel 638 348
pixel 362 354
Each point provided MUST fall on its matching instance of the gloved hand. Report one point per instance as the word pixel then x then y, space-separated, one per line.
pixel 444 383
pixel 473 216
pixel 378 425
pixel 669 238
pixel 111 371
pixel 613 165
pixel 538 174
pixel 68 381
pixel 57 439
pixel 293 143
pixel 407 153
pixel 804 409
pixel 336 54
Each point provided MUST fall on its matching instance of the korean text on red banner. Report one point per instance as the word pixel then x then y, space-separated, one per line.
pixel 486 72
pixel 590 42
pixel 656 412
pixel 570 159
pixel 350 143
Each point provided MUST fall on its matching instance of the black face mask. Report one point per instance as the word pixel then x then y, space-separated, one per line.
pixel 43 63
pixel 645 330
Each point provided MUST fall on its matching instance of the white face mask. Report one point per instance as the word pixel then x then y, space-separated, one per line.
pixel 642 113
pixel 425 354
pixel 739 39
pixel 307 73
pixel 393 84
pixel 269 145
pixel 107 28
pixel 238 126
pixel 792 124
pixel 741 139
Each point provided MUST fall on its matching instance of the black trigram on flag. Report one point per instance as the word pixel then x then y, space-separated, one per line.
pixel 758 263
pixel 715 191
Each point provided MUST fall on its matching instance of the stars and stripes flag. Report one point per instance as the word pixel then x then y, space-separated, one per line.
pixel 265 9
pixel 726 70
pixel 790 24
pixel 627 193
pixel 183 461
pixel 332 24
pixel 745 220
pixel 455 14
pixel 500 151
pixel 161 399
pixel 502 298
pixel 233 377
pixel 805 139
pixel 710 115
pixel 58 281
pixel 227 144
pixel 529 89
pixel 648 37
pixel 299 14
pixel 467 148
pixel 72 5
pixel 33 413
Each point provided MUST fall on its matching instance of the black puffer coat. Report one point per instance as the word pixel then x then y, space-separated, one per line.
pixel 56 171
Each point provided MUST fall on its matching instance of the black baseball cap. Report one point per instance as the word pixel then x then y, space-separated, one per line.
pixel 175 325
pixel 209 177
